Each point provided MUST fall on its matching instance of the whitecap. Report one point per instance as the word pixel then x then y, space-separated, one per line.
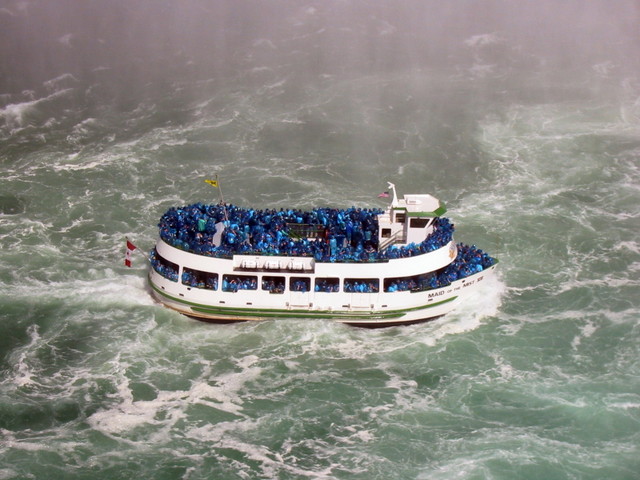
pixel 66 39
pixel 57 82
pixel 16 115
pixel 6 11
pixel 482 69
pixel 264 42
pixel 483 40
pixel 23 369
pixel 472 309
pixel 164 411
pixel 604 68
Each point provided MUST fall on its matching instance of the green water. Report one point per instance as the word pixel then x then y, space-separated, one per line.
pixel 527 126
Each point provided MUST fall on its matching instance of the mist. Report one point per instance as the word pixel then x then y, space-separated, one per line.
pixel 146 43
pixel 364 80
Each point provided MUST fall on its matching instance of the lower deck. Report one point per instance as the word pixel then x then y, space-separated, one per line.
pixel 365 308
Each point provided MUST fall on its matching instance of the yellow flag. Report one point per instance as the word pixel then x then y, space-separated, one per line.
pixel 213 183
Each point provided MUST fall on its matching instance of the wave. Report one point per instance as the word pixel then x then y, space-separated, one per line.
pixel 19 115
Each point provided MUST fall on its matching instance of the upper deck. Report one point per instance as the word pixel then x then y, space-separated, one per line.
pixel 406 228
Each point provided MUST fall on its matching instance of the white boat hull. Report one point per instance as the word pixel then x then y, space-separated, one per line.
pixel 361 309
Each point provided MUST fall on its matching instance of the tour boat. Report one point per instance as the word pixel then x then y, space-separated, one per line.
pixel 367 267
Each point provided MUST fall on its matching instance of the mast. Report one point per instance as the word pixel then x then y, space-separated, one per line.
pixel 394 202
pixel 224 205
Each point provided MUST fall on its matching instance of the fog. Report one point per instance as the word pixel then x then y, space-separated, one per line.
pixel 147 42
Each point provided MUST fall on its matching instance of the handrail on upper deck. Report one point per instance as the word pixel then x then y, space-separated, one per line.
pixel 395 238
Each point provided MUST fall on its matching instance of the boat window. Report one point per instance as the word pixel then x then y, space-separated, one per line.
pixel 233 283
pixel 273 284
pixel 361 285
pixel 199 279
pixel 164 267
pixel 413 283
pixel 299 284
pixel 419 222
pixel 328 285
pixel 401 217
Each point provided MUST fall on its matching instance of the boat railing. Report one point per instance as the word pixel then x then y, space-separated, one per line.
pixel 397 237
pixel 306 230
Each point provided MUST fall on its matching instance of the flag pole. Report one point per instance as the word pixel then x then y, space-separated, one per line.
pixel 216 183
pixel 220 188
pixel 224 205
pixel 131 247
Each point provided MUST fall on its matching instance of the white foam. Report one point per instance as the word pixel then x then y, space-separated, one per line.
pixel 9 440
pixel 111 289
pixel 479 304
pixel 6 11
pixel 354 343
pixel 223 392
pixel 15 114
pixel 264 42
pixel 66 39
pixel 271 463
pixel 22 366
pixel 631 246
pixel 482 40
pixel 79 161
pixel 482 69
pixel 585 332
pixel 604 68
pixel 358 436
pixel 386 28
pixel 169 143
pixel 633 404
pixel 125 416
pixel 55 83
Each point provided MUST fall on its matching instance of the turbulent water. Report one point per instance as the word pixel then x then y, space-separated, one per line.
pixel 523 117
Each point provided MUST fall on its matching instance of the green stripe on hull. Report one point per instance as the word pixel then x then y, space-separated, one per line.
pixel 272 313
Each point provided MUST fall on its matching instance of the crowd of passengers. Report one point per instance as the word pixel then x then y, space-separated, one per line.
pixel 167 270
pixel 233 284
pixel 469 260
pixel 193 280
pixel 348 235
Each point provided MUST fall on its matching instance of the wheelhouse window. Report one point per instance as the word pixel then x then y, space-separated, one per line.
pixel 413 283
pixel 419 222
pixel 273 284
pixel 199 279
pixel 361 285
pixel 233 283
pixel 164 267
pixel 299 284
pixel 327 285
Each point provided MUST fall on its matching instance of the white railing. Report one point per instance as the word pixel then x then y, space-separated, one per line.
pixel 397 237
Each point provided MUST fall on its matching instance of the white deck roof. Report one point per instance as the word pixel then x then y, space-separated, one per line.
pixel 415 203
